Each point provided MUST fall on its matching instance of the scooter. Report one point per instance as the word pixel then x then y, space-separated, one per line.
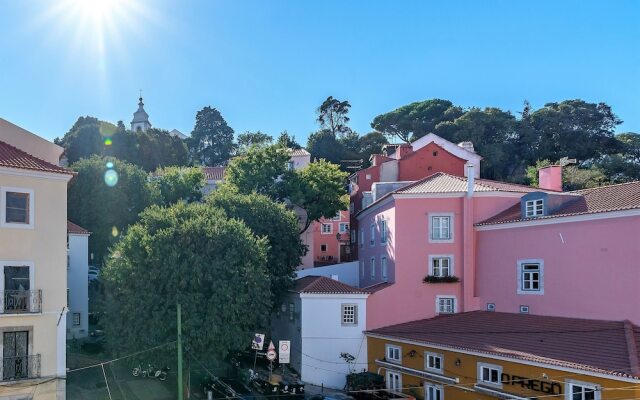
pixel 151 372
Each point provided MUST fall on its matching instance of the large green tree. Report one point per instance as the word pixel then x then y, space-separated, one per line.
pixel 85 138
pixel 157 148
pixel 213 266
pixel 369 144
pixel 250 139
pixel 333 116
pixel 175 184
pixel 325 145
pixel 259 171
pixel 211 141
pixel 272 220
pixel 106 197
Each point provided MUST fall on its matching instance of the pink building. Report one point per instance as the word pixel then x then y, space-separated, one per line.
pixel 331 239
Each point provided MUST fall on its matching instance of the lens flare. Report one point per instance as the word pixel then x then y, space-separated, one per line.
pixel 111 178
pixel 114 231
pixel 109 165
pixel 108 142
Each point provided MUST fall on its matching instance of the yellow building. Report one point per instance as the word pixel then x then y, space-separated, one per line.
pixel 488 355
pixel 33 225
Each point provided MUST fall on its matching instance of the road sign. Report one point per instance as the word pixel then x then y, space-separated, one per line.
pixel 258 341
pixel 285 351
pixel 271 353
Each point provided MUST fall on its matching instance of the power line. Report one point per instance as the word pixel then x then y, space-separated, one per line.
pixel 121 358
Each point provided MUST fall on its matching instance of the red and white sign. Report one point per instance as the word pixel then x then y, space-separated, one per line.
pixel 271 353
pixel 285 351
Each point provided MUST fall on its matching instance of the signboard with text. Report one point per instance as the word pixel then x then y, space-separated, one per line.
pixel 284 351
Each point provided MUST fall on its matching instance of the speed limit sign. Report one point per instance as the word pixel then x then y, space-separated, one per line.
pixel 271 353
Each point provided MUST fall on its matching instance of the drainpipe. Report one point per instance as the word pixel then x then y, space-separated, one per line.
pixel 469 272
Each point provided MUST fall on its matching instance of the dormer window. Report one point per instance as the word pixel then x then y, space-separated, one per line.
pixel 534 208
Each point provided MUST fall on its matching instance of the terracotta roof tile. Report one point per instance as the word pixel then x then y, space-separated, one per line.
pixel 589 345
pixel 441 182
pixel 324 285
pixel 624 196
pixel 299 152
pixel 13 157
pixel 214 173
pixel 77 229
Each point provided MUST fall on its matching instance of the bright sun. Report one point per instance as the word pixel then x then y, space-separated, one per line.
pixel 97 11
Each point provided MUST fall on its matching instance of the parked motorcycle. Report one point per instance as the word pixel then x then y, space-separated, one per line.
pixel 150 372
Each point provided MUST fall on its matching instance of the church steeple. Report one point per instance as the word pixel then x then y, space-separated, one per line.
pixel 140 122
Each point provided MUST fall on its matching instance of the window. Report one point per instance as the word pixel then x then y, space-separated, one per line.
pixel 524 309
pixel 373 267
pixel 489 374
pixel 344 227
pixel 354 236
pixel 323 248
pixel 290 165
pixel 17 280
pixel 394 381
pixel 393 353
pixel 445 305
pixel 433 392
pixel 326 229
pixel 76 319
pixel 368 177
pixel 16 206
pixel 337 217
pixel 383 231
pixel 372 235
pixel 530 277
pixel 441 229
pixel 349 314
pixel 491 306
pixel 582 391
pixel 383 267
pixel 361 238
pixel 292 309
pixel 433 362
pixel 441 266
pixel 534 208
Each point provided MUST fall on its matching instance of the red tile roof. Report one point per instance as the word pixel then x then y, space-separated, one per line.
pixel 299 152
pixel 441 182
pixel 13 157
pixel 623 196
pixel 214 173
pixel 324 285
pixel 609 347
pixel 77 229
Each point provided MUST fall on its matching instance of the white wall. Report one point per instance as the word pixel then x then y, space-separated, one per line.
pixel 346 272
pixel 77 283
pixel 324 338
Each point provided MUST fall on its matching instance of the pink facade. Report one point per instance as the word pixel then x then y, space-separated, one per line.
pixel 331 239
pixel 591 268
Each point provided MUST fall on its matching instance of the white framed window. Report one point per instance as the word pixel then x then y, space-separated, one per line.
pixel 577 390
pixel 433 392
pixel 446 304
pixel 354 236
pixel 393 353
pixel 349 314
pixel 394 381
pixel 326 229
pixel 16 207
pixel 433 362
pixel 337 217
pixel 372 235
pixel 373 267
pixel 534 208
pixel 441 265
pixel 441 228
pixel 383 231
pixel 383 267
pixel 344 227
pixel 76 319
pixel 361 238
pixel 490 374
pixel 15 278
pixel 530 276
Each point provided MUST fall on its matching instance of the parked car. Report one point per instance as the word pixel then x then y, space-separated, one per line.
pixel 94 273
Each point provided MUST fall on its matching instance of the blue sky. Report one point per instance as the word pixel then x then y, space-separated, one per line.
pixel 267 65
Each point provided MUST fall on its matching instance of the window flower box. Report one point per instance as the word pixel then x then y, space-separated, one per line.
pixel 440 279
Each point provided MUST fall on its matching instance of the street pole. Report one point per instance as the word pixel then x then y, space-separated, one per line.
pixel 180 392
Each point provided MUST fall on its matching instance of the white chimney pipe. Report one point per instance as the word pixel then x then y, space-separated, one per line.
pixel 470 180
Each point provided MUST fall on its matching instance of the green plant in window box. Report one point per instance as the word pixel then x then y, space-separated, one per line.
pixel 440 279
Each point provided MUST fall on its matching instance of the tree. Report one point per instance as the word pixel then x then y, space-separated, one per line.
pixel 259 171
pixel 415 120
pixel 85 138
pixel 371 143
pixel 107 200
pixel 273 221
pixel 573 177
pixel 157 148
pixel 124 145
pixel 213 266
pixel 175 184
pixel 332 116
pixel 288 141
pixel 324 145
pixel 211 141
pixel 249 139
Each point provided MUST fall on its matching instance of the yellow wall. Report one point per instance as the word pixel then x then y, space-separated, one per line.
pixel 467 374
pixel 45 246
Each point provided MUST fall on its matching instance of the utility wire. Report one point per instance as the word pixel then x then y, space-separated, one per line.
pixel 121 358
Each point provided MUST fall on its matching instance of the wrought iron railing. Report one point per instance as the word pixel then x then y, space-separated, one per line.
pixel 20 367
pixel 21 301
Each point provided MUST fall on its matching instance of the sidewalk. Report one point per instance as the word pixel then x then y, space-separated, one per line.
pixel 311 390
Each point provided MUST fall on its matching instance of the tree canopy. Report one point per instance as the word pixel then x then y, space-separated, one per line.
pixel 250 139
pixel 332 116
pixel 211 141
pixel 214 266
pixel 259 170
pixel 175 184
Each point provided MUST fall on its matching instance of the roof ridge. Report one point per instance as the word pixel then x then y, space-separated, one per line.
pixel 419 181
pixel 632 347
pixel 586 190
pixel 54 167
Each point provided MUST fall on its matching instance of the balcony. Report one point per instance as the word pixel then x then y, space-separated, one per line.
pixel 21 301
pixel 20 367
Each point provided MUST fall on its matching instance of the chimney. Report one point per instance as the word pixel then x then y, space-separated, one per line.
pixel 403 150
pixel 550 178
pixel 467 146
pixel 471 180
pixel 376 159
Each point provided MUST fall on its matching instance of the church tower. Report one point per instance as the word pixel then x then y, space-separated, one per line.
pixel 140 122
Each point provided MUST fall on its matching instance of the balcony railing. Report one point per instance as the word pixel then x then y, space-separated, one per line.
pixel 20 367
pixel 21 301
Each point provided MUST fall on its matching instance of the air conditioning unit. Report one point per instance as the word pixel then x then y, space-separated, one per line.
pixel 491 306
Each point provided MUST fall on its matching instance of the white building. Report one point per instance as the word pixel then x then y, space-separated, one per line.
pixel 77 281
pixel 324 319
pixel 140 121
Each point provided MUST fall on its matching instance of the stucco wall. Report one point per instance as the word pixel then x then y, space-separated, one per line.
pixel 590 268
pixel 330 240
pixel 429 160
pixel 346 272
